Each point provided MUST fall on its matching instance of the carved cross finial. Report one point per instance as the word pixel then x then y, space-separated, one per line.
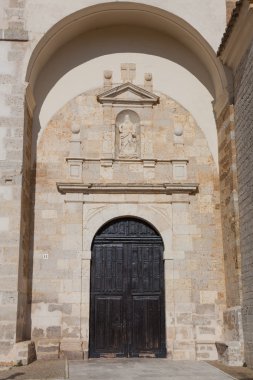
pixel 128 72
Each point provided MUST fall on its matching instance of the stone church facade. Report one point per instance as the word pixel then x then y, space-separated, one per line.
pixel 125 180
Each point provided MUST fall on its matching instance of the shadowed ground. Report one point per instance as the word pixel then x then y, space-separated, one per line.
pixel 53 369
pixel 240 373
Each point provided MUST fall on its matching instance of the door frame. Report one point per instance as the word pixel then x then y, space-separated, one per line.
pixel 94 215
pixel 157 240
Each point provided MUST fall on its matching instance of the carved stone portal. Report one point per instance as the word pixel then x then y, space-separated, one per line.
pixel 128 134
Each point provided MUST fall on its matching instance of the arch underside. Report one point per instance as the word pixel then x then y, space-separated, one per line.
pixel 133 15
pixel 62 64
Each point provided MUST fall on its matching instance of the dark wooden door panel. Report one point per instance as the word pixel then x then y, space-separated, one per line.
pixel 146 330
pixel 146 268
pixel 109 334
pixel 127 291
pixel 107 269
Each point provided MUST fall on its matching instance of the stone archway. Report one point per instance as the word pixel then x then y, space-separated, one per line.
pixel 215 83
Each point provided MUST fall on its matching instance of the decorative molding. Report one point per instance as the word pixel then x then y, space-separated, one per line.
pixel 149 163
pixel 106 162
pixel 128 94
pixel 126 160
pixel 113 188
pixel 92 211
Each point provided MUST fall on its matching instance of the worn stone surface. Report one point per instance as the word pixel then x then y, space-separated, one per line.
pixel 53 369
pixel 144 369
pixel 231 349
pixel 229 206
pixel 244 136
pixel 25 352
pixel 47 350
pixel 11 157
pixel 141 369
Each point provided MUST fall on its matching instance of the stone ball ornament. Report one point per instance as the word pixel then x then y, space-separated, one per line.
pixel 75 128
pixel 108 74
pixel 148 77
pixel 178 130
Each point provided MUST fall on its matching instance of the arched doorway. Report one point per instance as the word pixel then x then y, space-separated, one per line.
pixel 127 311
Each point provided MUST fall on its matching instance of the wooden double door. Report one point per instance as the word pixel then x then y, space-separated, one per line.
pixel 127 317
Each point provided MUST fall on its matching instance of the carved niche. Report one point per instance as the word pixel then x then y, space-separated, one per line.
pixel 130 107
pixel 127 134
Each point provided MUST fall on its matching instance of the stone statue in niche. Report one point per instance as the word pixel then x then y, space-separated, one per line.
pixel 127 138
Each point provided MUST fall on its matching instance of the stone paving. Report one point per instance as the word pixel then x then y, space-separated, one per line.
pixel 136 369
pixel 126 369
pixel 53 369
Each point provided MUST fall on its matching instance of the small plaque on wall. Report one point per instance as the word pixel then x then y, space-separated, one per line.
pixel 75 169
pixel 179 170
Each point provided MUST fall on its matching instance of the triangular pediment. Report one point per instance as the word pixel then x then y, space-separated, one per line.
pixel 128 93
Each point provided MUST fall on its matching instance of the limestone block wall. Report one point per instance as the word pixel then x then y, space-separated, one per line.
pixel 13 24
pixel 13 44
pixel 233 334
pixel 64 226
pixel 229 206
pixel 244 136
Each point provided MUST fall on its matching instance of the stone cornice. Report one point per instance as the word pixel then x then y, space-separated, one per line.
pixel 111 188
pixel 240 36
pixel 127 160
